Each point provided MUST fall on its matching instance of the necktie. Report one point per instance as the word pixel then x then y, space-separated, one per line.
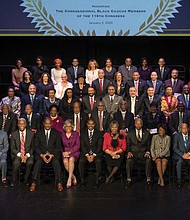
pixel 4 121
pixel 47 137
pixel 139 136
pixel 185 141
pixel 174 83
pixel 180 121
pixel 22 147
pixel 118 89
pixel 151 99
pixel 77 124
pixel 91 103
pixel 133 106
pixel 187 101
pixel 101 86
pixel 90 138
pixel 154 85
pixel 111 100
pixel 32 99
pixel 162 72
pixel 100 121
pixel 136 87
pixel 29 121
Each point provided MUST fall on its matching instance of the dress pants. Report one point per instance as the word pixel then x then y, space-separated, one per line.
pixel 3 168
pixel 56 166
pixel 83 160
pixel 180 162
pixel 16 167
pixel 141 160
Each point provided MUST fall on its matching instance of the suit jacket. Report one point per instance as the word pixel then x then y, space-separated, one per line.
pixel 127 123
pixel 138 149
pixel 178 88
pixel 47 104
pixel 122 87
pixel 96 86
pixel 159 90
pixel 106 120
pixel 15 143
pixel 35 122
pixel 10 124
pixel 37 104
pixel 71 74
pixel 4 145
pixel 138 105
pixel 54 145
pixel 97 140
pixel 146 104
pixel 142 87
pixel 86 104
pixel 179 146
pixel 83 119
pixel 127 74
pixel 174 120
pixel 181 98
pixel 166 74
pixel 112 108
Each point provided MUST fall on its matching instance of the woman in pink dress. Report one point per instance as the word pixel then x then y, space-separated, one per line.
pixel 71 150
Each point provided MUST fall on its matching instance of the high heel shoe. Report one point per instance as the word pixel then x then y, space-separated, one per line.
pixel 68 184
pixel 74 181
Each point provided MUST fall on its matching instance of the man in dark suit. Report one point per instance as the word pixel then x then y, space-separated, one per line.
pixel 156 84
pixel 111 101
pixel 162 70
pixel 79 118
pixel 185 97
pixel 47 145
pixel 138 83
pixel 74 71
pixel 52 100
pixel 21 150
pixel 8 120
pixel 178 117
pixel 101 117
pixel 127 69
pixel 181 148
pixel 90 102
pixel 134 103
pixel 32 120
pixel 138 151
pixel 150 98
pixel 101 84
pixel 33 99
pixel 124 118
pixel 176 83
pixel 91 145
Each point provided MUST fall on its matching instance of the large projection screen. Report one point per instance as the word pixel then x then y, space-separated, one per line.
pixel 95 17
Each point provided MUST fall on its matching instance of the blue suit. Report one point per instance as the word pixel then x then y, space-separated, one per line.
pixel 159 90
pixel 180 148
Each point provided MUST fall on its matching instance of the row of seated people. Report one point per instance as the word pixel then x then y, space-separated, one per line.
pixel 91 72
pixel 102 119
pixel 90 145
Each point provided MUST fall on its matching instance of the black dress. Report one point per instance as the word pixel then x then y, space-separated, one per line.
pixel 66 109
pixel 79 93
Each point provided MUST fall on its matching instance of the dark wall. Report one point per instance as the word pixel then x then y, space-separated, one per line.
pixel 176 50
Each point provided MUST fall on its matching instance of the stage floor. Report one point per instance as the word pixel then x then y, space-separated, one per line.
pixel 110 201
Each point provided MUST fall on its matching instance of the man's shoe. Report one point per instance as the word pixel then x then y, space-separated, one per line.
pixel 96 186
pixel 60 187
pixel 82 183
pixel 149 184
pixel 13 184
pixel 33 187
pixel 4 183
pixel 179 184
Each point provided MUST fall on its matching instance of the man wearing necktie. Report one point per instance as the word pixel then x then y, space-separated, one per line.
pixel 181 147
pixel 162 70
pixel 22 151
pixel 184 97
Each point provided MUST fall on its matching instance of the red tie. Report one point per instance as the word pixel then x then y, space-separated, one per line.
pixel 22 144
pixel 101 87
pixel 91 103
pixel 100 121
pixel 136 87
pixel 77 124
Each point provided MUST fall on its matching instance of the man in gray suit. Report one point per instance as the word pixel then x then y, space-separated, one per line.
pixel 127 69
pixel 4 146
pixel 21 150
pixel 111 101
pixel 181 147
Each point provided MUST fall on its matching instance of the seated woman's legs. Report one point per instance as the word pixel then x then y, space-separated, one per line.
pixel 69 164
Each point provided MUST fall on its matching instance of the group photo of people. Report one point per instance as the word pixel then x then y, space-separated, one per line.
pixel 112 118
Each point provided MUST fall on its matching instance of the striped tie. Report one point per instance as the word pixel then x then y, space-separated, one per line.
pixel 4 121
pixel 90 138
pixel 22 144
